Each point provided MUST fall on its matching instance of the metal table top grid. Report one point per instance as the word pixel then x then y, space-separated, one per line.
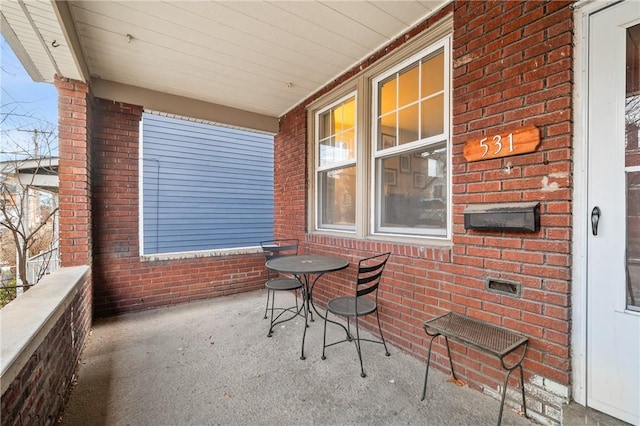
pixel 307 264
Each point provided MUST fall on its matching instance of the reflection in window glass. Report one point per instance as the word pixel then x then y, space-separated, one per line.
pixel 387 134
pixel 633 240
pixel 336 134
pixel 432 119
pixel 408 86
pixel 387 98
pixel 338 195
pixel 412 183
pixel 432 75
pixel 408 123
pixel 632 165
pixel 415 94
pixel 335 169
pixel 404 176
pixel 414 191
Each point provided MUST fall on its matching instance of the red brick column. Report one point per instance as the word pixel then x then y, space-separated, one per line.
pixel 512 68
pixel 74 136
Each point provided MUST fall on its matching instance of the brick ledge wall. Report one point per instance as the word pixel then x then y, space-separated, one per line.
pixel 39 356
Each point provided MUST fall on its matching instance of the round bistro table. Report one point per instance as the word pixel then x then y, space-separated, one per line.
pixel 303 267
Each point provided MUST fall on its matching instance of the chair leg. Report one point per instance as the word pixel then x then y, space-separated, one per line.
pixel 357 342
pixel 386 351
pixel 304 333
pixel 324 336
pixel 273 299
pixel 266 308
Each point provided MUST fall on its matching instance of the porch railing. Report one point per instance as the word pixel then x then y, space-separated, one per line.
pixel 42 264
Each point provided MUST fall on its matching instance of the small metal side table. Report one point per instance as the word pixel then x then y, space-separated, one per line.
pixel 489 338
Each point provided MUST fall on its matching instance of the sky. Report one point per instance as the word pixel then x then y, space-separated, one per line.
pixel 24 106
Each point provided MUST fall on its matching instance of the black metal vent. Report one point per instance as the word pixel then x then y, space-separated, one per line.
pixel 501 286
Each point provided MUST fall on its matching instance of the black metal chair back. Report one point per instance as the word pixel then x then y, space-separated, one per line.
pixel 369 274
pixel 367 282
pixel 276 283
pixel 278 248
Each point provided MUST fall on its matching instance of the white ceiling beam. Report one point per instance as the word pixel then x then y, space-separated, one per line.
pixel 68 28
pixel 188 107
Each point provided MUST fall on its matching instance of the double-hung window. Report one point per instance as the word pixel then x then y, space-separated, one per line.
pixel 336 165
pixel 411 131
pixel 396 163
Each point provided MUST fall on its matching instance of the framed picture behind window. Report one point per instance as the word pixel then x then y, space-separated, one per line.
pixel 388 141
pixel 390 177
pixel 405 163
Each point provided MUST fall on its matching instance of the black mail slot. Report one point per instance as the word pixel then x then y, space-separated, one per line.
pixel 503 216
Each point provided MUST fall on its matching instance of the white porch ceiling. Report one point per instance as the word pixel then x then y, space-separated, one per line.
pixel 262 57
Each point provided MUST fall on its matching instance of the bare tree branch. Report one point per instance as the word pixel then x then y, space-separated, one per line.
pixel 23 187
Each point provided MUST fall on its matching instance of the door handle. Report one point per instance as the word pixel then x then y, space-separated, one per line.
pixel 595 218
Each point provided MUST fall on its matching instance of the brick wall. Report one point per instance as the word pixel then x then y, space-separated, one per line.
pixel 74 137
pixel 290 212
pixel 39 392
pixel 511 68
pixel 512 65
pixel 124 282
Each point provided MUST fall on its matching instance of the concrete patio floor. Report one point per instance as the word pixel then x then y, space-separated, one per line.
pixel 211 362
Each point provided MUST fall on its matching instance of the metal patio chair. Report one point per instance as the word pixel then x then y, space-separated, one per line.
pixel 276 283
pixel 367 282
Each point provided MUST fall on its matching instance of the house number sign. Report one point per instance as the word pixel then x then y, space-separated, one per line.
pixel 513 142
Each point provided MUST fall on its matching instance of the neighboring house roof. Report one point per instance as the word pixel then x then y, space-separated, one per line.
pixel 40 173
pixel 238 63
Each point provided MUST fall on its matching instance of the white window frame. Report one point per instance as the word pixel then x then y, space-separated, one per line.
pixel 445 137
pixel 361 83
pixel 333 166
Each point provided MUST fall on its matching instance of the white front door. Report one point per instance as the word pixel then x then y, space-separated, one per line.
pixel 613 245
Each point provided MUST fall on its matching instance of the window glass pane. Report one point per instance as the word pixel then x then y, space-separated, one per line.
pixel 432 116
pixel 337 119
pixel 328 154
pixel 387 136
pixel 337 134
pixel 632 164
pixel 414 191
pixel 432 75
pixel 418 111
pixel 346 141
pixel 348 118
pixel 387 98
pixel 324 125
pixel 345 128
pixel 412 185
pixel 408 124
pixel 408 91
pixel 337 198
pixel 633 240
